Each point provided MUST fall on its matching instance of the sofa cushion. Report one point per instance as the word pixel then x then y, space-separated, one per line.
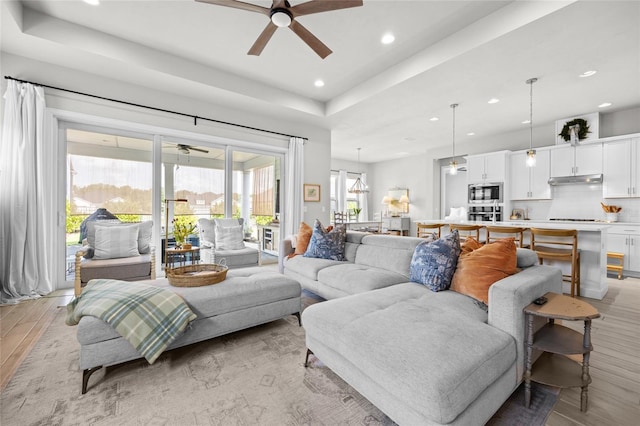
pixel 144 234
pixel 387 252
pixel 354 278
pixel 453 356
pixel 309 267
pixel 434 262
pixel 242 257
pixel 481 268
pixel 327 244
pixel 526 257
pixel 128 268
pixel 113 242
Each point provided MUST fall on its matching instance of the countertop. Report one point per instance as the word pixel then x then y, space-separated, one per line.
pixel 550 224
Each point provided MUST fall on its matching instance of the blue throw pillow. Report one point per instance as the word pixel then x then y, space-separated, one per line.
pixel 433 263
pixel 327 245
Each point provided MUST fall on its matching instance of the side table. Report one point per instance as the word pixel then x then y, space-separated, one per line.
pixel 555 367
pixel 180 254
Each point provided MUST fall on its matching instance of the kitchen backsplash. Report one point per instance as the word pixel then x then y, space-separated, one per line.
pixel 579 202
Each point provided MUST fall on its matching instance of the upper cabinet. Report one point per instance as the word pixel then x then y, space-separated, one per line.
pixel 567 160
pixel 621 177
pixel 530 183
pixel 487 167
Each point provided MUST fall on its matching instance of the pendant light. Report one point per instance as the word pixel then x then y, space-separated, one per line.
pixel 358 187
pixel 453 165
pixel 531 153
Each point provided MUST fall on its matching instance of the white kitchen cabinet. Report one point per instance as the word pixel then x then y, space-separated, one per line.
pixel 621 169
pixel 567 160
pixel 530 182
pixel 626 240
pixel 489 167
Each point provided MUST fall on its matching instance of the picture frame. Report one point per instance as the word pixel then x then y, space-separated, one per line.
pixel 311 192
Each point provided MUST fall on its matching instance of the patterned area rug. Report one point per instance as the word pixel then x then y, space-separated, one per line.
pixel 252 377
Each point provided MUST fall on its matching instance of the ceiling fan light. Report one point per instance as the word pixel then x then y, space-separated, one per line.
pixel 281 18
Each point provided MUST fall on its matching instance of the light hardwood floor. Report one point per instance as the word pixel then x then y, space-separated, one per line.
pixel 614 395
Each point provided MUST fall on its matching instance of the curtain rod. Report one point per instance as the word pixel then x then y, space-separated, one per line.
pixel 195 117
pixel 353 173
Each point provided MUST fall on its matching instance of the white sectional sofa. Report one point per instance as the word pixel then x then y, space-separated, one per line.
pixel 422 357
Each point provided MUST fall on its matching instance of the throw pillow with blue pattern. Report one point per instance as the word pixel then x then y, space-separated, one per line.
pixel 434 262
pixel 327 244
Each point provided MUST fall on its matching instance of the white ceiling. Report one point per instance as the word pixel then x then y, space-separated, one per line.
pixel 378 97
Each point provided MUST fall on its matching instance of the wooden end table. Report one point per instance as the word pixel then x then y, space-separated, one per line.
pixel 556 366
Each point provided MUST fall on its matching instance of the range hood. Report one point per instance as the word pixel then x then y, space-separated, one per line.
pixel 566 180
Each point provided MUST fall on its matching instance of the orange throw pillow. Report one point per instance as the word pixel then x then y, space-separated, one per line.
pixel 477 270
pixel 470 244
pixel 304 236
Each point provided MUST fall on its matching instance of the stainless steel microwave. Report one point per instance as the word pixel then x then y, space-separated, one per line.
pixel 485 193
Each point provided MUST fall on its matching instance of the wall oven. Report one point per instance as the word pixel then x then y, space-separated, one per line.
pixel 485 201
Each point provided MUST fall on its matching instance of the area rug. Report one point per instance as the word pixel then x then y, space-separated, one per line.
pixel 252 377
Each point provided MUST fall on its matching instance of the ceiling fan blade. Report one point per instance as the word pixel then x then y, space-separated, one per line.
pixel 312 41
pixel 239 5
pixel 318 6
pixel 198 149
pixel 263 39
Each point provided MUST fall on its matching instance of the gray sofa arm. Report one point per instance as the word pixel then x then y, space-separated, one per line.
pixel 285 250
pixel 508 297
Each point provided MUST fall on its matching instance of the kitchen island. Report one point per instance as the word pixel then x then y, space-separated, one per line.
pixel 592 240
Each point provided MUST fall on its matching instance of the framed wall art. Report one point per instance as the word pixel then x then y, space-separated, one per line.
pixel 311 192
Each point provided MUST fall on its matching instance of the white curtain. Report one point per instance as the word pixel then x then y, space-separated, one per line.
pixel 364 205
pixel 294 204
pixel 341 192
pixel 24 260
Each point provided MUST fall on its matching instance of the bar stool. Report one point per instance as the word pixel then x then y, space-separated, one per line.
pixel 615 267
pixel 559 244
pixel 467 230
pixel 515 231
pixel 424 230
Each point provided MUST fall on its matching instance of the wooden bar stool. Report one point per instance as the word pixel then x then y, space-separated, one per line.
pixel 467 230
pixel 506 231
pixel 615 267
pixel 559 244
pixel 424 230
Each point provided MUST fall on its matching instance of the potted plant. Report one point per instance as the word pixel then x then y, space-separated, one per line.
pixel 356 212
pixel 181 230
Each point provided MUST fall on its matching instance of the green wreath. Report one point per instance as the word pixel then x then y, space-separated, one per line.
pixel 582 133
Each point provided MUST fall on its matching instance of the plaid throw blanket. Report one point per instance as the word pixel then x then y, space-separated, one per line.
pixel 150 318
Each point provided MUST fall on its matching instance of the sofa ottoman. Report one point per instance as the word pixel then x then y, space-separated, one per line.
pixel 246 298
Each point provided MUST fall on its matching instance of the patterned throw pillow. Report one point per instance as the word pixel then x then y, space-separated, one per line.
pixel 434 263
pixel 327 244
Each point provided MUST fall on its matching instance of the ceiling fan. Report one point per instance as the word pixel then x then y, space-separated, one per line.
pixel 186 149
pixel 282 14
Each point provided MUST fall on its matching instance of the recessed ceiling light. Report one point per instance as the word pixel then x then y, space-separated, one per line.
pixel 471 134
pixel 319 83
pixel 605 104
pixel 587 73
pixel 388 38
pixel 92 2
pixel 493 101
pixel 526 122
pixel 434 119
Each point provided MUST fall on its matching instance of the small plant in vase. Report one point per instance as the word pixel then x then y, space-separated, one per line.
pixel 181 231
pixel 356 212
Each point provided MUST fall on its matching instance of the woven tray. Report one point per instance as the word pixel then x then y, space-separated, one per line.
pixel 197 275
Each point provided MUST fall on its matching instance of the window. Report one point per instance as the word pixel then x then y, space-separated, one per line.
pixel 352 200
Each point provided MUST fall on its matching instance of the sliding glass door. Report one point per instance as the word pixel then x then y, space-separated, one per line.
pixel 111 175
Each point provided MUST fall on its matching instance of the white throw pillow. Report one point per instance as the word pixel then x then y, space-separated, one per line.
pixel 116 241
pixel 207 231
pixel 229 237
pixel 144 236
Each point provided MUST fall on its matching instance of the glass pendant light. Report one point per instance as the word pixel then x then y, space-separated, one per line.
pixel 359 187
pixel 531 153
pixel 453 165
